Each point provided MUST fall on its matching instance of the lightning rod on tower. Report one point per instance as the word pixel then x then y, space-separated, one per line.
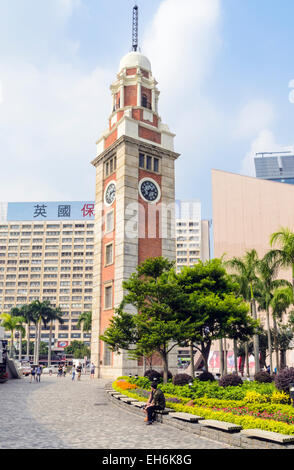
pixel 135 27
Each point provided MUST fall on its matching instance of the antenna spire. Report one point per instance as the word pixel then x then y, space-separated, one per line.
pixel 135 27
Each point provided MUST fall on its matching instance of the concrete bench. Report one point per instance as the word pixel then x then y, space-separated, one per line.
pixel 139 404
pixel 166 411
pixel 268 435
pixel 187 417
pixel 223 425
pixel 127 400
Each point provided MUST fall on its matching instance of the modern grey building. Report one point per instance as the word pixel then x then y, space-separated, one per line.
pixel 275 166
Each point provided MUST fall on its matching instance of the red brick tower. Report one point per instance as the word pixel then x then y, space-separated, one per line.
pixel 135 194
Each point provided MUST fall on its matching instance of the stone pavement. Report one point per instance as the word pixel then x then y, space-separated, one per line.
pixel 60 414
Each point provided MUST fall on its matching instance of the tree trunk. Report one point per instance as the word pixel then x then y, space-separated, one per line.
pixel 20 346
pixel 225 357
pixel 269 340
pixel 276 343
pixel 11 344
pixel 35 342
pixel 255 338
pixel 205 350
pixel 28 340
pixel 247 359
pixel 164 357
pixel 192 360
pixel 235 356
pixel 49 345
pixel 221 357
pixel 282 359
pixel 144 365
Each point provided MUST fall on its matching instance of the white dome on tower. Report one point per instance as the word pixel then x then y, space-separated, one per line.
pixel 135 59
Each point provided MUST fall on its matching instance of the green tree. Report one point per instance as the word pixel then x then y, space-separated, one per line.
pixel 78 349
pixel 214 307
pixel 19 312
pixel 246 276
pixel 12 324
pixel 40 314
pixel 155 326
pixel 85 320
pixel 52 315
pixel 268 269
pixel 285 254
pixel 281 301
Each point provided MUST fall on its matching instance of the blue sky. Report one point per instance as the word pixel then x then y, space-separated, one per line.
pixel 223 67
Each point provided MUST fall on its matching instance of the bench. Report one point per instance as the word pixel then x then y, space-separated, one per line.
pixel 139 404
pixel 187 417
pixel 268 435
pixel 223 425
pixel 128 400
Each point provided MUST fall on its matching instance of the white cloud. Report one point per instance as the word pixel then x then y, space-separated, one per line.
pixel 255 116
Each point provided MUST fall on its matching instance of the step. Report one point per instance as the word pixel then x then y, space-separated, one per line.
pixel 139 404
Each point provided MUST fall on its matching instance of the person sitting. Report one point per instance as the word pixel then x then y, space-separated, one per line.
pixel 156 402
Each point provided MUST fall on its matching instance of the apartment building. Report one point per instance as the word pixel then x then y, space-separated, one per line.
pixel 46 253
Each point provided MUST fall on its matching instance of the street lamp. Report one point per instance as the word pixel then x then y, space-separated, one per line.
pixel 130 375
pixel 136 376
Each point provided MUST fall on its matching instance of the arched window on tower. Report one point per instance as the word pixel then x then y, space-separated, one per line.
pixel 144 102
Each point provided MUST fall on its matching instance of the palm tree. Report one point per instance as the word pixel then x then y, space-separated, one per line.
pixel 53 314
pixel 40 313
pixel 11 324
pixel 267 269
pixel 246 278
pixel 21 313
pixel 85 319
pixel 285 238
pixel 281 301
pixel 28 314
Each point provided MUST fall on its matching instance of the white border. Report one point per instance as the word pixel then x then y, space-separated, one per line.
pixel 105 191
pixel 157 186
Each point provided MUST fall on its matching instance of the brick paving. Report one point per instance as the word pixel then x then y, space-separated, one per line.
pixel 60 414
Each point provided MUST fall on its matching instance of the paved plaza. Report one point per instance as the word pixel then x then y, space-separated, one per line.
pixel 60 414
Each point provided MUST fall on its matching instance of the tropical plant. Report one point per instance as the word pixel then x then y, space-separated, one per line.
pixel 182 379
pixel 206 377
pixel 19 312
pixel 263 377
pixel 267 284
pixel 153 375
pixel 285 254
pixel 12 324
pixel 284 379
pixel 246 276
pixel 52 315
pixel 281 301
pixel 230 380
pixel 85 320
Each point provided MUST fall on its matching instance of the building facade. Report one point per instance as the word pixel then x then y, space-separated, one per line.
pixel 192 236
pixel 277 167
pixel 246 212
pixel 135 196
pixel 46 253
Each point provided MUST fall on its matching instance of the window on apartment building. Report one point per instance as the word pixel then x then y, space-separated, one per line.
pixel 108 290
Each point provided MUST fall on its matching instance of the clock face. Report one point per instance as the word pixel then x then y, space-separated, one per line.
pixel 149 190
pixel 110 192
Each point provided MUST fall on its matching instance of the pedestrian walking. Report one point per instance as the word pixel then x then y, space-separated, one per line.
pixel 79 371
pixel 39 372
pixel 33 373
pixel 92 370
pixel 73 372
pixel 64 371
pixel 59 371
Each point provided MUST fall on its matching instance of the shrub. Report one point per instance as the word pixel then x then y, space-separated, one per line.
pixel 284 379
pixel 125 385
pixel 280 397
pixel 169 375
pixel 153 375
pixel 230 380
pixel 254 397
pixel 263 377
pixel 182 379
pixel 206 377
pixel 142 382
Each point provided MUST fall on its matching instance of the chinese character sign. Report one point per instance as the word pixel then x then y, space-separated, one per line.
pixel 33 211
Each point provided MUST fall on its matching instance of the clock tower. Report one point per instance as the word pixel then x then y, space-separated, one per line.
pixel 134 200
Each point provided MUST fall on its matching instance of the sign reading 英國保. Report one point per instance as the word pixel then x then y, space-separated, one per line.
pixel 81 210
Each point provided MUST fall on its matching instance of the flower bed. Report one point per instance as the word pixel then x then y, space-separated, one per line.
pixel 264 414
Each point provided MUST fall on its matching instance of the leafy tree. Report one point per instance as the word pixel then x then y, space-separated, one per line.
pixel 85 319
pixel 155 326
pixel 41 311
pixel 267 269
pixel 215 309
pixel 19 312
pixel 78 349
pixel 52 314
pixel 285 254
pixel 246 276
pixel 281 301
pixel 11 323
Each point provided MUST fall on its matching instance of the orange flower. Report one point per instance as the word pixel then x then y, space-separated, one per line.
pixel 125 385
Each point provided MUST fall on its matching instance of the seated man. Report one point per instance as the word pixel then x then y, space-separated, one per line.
pixel 155 402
